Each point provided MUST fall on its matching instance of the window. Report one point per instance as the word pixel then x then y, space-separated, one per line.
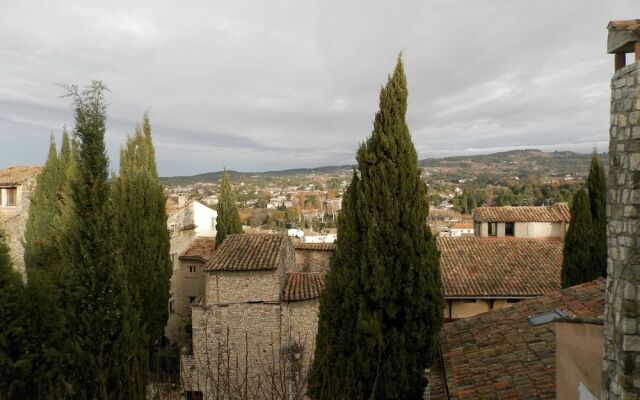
pixel 192 269
pixel 213 223
pixel 493 229
pixel 172 230
pixel 10 197
pixel 191 299
pixel 193 395
pixel 172 306
pixel 173 259
pixel 509 229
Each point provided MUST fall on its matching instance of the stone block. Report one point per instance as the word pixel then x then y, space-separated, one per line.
pixel 629 291
pixel 631 343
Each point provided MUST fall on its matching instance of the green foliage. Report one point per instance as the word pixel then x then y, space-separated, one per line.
pixel 577 266
pixel 597 187
pixel 95 294
pixel 383 304
pixel 143 241
pixel 228 221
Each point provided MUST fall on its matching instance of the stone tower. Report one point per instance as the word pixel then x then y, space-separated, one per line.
pixel 621 366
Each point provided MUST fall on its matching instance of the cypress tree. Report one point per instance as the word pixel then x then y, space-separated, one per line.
pixel 12 334
pixel 95 290
pixel 597 186
pixel 384 305
pixel 140 217
pixel 577 264
pixel 40 247
pixel 228 220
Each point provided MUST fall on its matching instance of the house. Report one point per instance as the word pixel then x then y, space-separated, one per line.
pixel 17 185
pixel 526 221
pixel 259 311
pixel 187 222
pixel 510 353
pixel 187 284
pixel 461 229
pixel 482 274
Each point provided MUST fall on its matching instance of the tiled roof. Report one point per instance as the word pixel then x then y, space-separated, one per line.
pixel 201 249
pixel 16 175
pixel 462 225
pixel 303 286
pixel 314 246
pixel 555 213
pixel 497 267
pixel 501 355
pixel 247 253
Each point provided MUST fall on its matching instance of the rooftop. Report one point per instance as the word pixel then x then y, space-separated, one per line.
pixel 497 267
pixel 314 246
pixel 500 354
pixel 201 249
pixel 303 286
pixel 13 176
pixel 247 252
pixel 555 213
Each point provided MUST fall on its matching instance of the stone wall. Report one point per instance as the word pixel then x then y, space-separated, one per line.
pixel 227 287
pixel 621 366
pixel 312 260
pixel 13 221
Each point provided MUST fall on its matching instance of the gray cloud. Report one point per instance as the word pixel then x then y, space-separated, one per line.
pixel 270 85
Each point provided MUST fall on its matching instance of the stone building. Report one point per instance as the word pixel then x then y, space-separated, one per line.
pixel 621 366
pixel 525 221
pixel 257 320
pixel 187 222
pixel 16 188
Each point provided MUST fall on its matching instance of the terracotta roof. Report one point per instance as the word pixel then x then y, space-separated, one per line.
pixel 501 355
pixel 16 175
pixel 462 225
pixel 555 213
pixel 497 267
pixel 201 249
pixel 303 286
pixel 247 252
pixel 314 246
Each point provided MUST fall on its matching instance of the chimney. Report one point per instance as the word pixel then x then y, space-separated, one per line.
pixel 621 364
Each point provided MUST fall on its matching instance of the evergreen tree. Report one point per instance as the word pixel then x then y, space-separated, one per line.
pixel 40 247
pixel 577 264
pixel 597 187
pixel 383 304
pixel 140 217
pixel 228 220
pixel 11 329
pixel 95 291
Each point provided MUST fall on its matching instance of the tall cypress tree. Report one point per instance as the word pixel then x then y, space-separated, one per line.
pixel 597 186
pixel 228 221
pixel 139 207
pixel 577 266
pixel 40 247
pixel 95 290
pixel 384 307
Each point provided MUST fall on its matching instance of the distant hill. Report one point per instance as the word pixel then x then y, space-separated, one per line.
pixel 514 162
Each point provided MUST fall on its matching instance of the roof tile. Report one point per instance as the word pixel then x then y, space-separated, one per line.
pixel 303 286
pixel 247 252
pixel 16 175
pixel 555 213
pixel 201 249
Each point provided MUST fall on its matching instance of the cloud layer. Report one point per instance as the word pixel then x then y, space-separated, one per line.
pixel 272 85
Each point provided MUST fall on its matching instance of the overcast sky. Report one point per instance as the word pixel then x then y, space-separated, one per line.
pixel 268 85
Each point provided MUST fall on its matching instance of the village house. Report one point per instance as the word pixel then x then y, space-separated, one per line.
pixel 260 308
pixel 482 274
pixel 525 221
pixel 187 222
pixel 16 189
pixel 510 353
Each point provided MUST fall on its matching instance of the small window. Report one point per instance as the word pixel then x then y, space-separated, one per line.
pixel 173 259
pixel 173 230
pixel 509 229
pixel 172 306
pixel 10 197
pixel 191 299
pixel 493 228
pixel 213 223
pixel 192 269
pixel 193 395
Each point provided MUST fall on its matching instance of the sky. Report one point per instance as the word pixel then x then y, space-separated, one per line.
pixel 271 85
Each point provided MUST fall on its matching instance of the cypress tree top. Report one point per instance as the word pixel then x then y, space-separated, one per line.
pixel 228 220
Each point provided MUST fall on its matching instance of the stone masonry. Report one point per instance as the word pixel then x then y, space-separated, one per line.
pixel 621 365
